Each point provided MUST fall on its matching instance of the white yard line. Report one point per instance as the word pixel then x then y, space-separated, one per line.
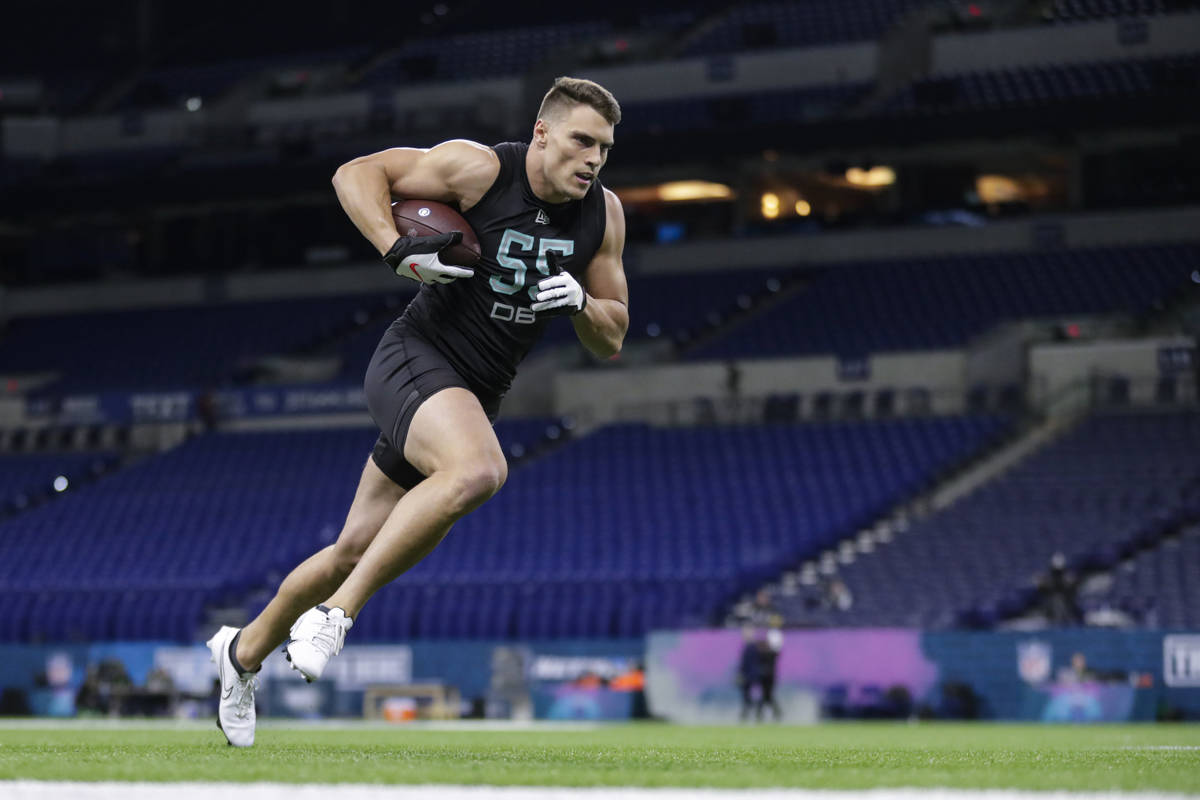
pixel 63 790
pixel 1162 747
pixel 507 726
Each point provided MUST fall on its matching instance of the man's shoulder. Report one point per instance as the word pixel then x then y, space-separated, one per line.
pixel 470 168
pixel 612 203
pixel 467 148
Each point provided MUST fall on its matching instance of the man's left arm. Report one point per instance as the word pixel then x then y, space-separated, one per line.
pixel 604 320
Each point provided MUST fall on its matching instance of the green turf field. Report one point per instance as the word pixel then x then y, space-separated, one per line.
pixel 1127 757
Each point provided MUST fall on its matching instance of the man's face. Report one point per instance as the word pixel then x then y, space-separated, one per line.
pixel 577 145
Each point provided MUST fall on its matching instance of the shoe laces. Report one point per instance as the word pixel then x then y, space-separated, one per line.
pixel 246 684
pixel 328 635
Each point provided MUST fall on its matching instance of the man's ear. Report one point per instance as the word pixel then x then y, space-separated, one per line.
pixel 540 132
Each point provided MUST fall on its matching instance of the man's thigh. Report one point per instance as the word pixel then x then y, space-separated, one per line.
pixel 374 499
pixel 451 430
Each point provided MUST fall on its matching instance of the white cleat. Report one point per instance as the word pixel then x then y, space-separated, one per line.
pixel 235 714
pixel 317 637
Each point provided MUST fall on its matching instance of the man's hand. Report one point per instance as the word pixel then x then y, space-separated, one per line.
pixel 559 295
pixel 416 258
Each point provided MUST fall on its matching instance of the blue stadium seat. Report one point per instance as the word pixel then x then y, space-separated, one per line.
pixel 585 541
pixel 929 304
pixel 187 347
pixel 1113 484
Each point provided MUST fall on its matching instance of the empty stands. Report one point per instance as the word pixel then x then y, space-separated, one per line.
pixel 855 309
pixel 1107 487
pixel 625 530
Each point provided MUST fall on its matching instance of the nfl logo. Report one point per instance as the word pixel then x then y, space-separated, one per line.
pixel 1033 661
pixel 1181 660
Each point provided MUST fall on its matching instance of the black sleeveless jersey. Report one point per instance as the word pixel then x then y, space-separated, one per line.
pixel 483 325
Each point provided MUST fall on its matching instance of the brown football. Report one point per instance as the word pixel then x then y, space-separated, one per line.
pixel 428 217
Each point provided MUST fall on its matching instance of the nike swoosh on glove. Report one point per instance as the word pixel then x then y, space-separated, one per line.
pixel 416 258
pixel 559 295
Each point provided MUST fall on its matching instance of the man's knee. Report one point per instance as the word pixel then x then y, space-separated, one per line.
pixel 348 550
pixel 471 486
pixel 344 561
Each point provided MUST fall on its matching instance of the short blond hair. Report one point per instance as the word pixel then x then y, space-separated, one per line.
pixel 567 92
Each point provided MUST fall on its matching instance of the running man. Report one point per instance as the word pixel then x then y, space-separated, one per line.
pixel 551 238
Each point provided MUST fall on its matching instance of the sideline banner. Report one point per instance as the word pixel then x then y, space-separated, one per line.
pixel 565 679
pixel 187 405
pixel 1079 675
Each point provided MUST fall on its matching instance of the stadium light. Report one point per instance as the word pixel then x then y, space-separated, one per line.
pixel 61 483
pixel 688 191
pixel 873 178
pixel 682 191
pixel 770 205
pixel 803 208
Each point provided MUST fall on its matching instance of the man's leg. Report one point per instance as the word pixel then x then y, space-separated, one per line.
pixel 769 697
pixel 321 574
pixel 452 442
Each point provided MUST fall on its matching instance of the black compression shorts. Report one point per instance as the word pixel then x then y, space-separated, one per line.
pixel 405 371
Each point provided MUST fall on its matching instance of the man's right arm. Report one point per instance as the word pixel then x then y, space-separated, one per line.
pixel 457 172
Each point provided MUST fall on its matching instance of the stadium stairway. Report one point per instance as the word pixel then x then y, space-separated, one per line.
pixel 636 528
pixel 235 338
pixel 1020 440
pixel 1096 492
pixel 776 291
pixel 701 27
pixel 1153 585
pixel 28 480
pixel 659 539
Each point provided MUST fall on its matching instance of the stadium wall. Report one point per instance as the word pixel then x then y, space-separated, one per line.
pixel 1056 368
pixel 604 396
pixel 1142 675
pixel 1048 232
pixel 690 675
pixel 727 255
pixel 952 53
pixel 1102 40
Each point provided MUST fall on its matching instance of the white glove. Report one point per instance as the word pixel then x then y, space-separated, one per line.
pixel 416 258
pixel 428 268
pixel 559 295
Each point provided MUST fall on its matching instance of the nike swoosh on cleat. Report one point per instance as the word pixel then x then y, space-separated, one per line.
pixel 225 693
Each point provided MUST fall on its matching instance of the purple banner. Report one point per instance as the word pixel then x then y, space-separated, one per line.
pixel 695 675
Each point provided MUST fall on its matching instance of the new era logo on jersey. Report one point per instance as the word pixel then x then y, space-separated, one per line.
pixel 541 218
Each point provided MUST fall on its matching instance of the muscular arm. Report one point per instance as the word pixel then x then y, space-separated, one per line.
pixel 602 324
pixel 457 172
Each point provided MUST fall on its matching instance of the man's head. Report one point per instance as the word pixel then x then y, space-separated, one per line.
pixel 572 137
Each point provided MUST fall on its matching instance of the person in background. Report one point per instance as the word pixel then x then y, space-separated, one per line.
pixel 749 671
pixel 1078 672
pixel 838 596
pixel 1059 588
pixel 769 649
pixel 763 613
